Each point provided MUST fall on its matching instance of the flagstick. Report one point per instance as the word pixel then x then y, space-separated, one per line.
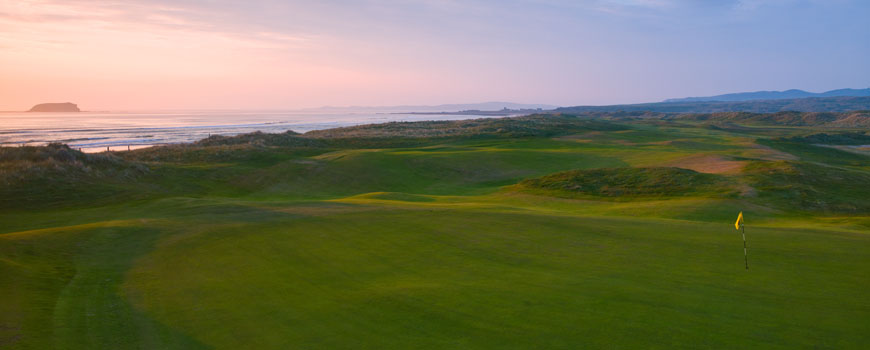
pixel 745 257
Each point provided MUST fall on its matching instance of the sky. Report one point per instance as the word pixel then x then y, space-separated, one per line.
pixel 280 54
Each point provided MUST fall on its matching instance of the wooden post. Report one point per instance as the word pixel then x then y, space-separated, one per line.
pixel 128 148
pixel 745 256
pixel 107 149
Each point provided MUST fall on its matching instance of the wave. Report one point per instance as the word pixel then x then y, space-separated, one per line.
pixel 118 130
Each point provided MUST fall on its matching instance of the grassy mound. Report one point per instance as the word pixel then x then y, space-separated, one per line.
pixel 526 126
pixel 380 136
pixel 57 173
pixel 857 119
pixel 402 197
pixel 627 182
pixel 819 154
pixel 259 138
pixel 21 165
pixel 810 187
pixel 848 138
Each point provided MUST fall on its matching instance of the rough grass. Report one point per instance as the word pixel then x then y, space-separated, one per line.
pixel 811 187
pixel 780 118
pixel 708 163
pixel 628 183
pixel 818 154
pixel 526 126
pixel 55 174
pixel 847 138
pixel 19 165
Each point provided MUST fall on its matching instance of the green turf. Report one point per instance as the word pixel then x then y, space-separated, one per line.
pixel 433 243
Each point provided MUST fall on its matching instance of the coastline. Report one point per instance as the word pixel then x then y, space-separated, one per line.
pixel 95 131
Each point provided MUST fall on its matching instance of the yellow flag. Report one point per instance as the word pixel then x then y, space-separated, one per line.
pixel 739 220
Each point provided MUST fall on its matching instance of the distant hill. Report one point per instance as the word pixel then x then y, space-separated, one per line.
pixel 55 107
pixel 812 104
pixel 774 95
pixel 857 119
pixel 484 106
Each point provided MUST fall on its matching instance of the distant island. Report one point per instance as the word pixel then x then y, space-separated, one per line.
pixel 55 107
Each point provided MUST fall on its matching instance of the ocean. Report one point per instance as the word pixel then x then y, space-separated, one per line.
pixel 95 131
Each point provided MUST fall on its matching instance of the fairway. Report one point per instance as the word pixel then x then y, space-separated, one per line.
pixel 617 237
pixel 469 278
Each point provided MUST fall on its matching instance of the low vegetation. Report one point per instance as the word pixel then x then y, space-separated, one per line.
pixel 859 119
pixel 628 183
pixel 810 186
pixel 58 161
pixel 818 154
pixel 847 138
pixel 815 104
pixel 538 125
pixel 36 176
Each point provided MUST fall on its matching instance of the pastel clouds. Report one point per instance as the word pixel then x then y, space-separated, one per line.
pixel 286 54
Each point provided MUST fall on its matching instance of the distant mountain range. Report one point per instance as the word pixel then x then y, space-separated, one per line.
pixel 811 104
pixel 773 95
pixel 485 106
pixel 841 100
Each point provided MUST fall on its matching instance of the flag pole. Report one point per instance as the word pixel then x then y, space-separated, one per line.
pixel 745 257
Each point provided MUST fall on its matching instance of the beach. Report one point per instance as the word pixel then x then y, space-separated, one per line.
pixel 95 131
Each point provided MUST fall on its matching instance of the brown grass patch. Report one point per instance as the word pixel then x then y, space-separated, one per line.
pixel 708 163
pixel 767 153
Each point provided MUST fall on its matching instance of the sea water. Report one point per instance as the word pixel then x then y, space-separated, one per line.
pixel 95 131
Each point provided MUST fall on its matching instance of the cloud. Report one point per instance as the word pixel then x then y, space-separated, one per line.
pixel 633 8
pixel 751 5
pixel 35 21
pixel 639 3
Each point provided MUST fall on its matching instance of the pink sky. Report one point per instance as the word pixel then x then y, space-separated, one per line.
pixel 101 57
pixel 127 54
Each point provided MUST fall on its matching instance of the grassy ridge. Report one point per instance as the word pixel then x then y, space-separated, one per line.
pixel 508 233
pixel 848 138
pixel 854 119
pixel 33 176
pixel 628 183
pixel 811 186
pixel 813 104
